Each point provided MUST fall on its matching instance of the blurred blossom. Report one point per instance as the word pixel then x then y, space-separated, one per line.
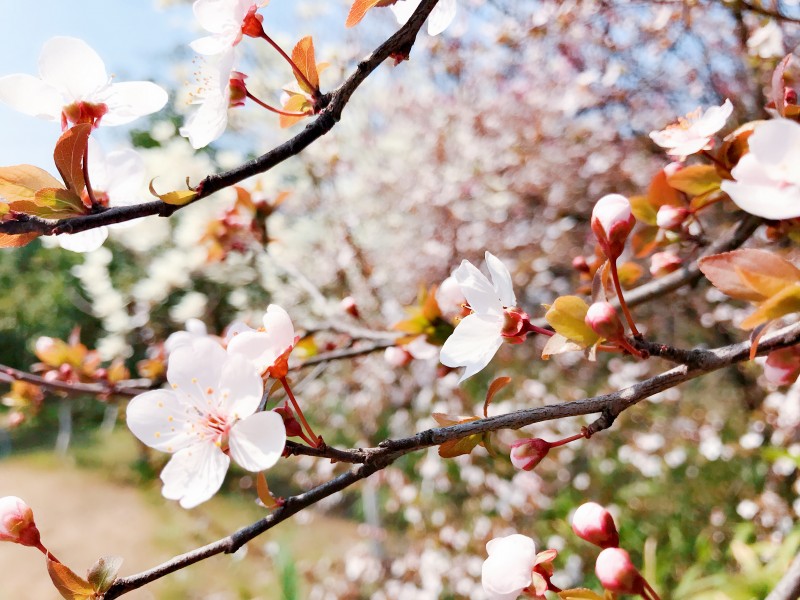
pixel 692 133
pixel 195 330
pixel 593 523
pixel 223 19
pixel 766 41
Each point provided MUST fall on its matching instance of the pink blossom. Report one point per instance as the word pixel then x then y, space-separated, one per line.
pixel 616 572
pixel 602 318
pixel 526 454
pixel 593 523
pixel 269 348
pixel 612 221
pixel 662 263
pixel 508 569
pixel 16 522
pixel 692 133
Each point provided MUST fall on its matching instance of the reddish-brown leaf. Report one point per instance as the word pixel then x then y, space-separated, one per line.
pixel 69 153
pixel 21 182
pixel 16 241
pixel 303 57
pixel 68 584
pixel 494 387
pixel 358 10
pixel 752 275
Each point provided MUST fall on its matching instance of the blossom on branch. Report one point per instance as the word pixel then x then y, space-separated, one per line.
pixel 206 418
pixel 513 568
pixel 692 133
pixel 73 87
pixel 268 348
pixel 213 97
pixel 223 19
pixel 767 180
pixel 494 317
pixel 16 522
pixel 440 18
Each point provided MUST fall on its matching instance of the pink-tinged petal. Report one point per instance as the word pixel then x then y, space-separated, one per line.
pixel 31 96
pixel 774 142
pixel 257 346
pixel 194 372
pixel 441 17
pixel 130 100
pixel 73 66
pixel 235 329
pixel 477 289
pixel 195 329
pixel 713 119
pixel 194 474
pixel 767 201
pixel 257 442
pixel 240 387
pixel 507 570
pixel 501 280
pixel 404 9
pixel 473 344
pixel 217 16
pixel 160 420
pixel 85 241
pixel 278 325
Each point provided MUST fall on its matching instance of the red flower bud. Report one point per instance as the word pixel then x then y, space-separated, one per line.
pixel 251 26
pixel 593 523
pixel 616 572
pixel 662 263
pixel 612 221
pixel 16 522
pixel 527 453
pixel 238 89
pixel 671 217
pixel 603 320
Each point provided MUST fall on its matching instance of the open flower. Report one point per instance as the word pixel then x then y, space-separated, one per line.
pixel 494 317
pixel 693 132
pixel 73 87
pixel 213 95
pixel 268 349
pixel 440 18
pixel 223 19
pixel 206 418
pixel 507 571
pixel 117 179
pixel 767 178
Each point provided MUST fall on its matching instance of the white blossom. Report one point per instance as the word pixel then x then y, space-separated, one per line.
pixel 440 18
pixel 693 132
pixel 507 570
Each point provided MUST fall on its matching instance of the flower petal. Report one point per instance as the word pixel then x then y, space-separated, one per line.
pixel 473 344
pixel 160 420
pixel 441 17
pixel 71 65
pixel 501 280
pixel 278 325
pixel 477 289
pixel 208 122
pixel 194 372
pixel 507 570
pixel 257 442
pixel 194 474
pixel 31 96
pixel 240 387
pixel 85 241
pixel 404 9
pixel 130 100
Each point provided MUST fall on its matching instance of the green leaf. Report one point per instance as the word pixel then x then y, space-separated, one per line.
pixel 104 572
pixel 785 302
pixel 52 203
pixel 579 594
pixel 567 316
pixel 453 448
pixel 176 198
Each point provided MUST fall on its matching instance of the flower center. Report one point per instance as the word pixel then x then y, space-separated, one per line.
pixel 82 112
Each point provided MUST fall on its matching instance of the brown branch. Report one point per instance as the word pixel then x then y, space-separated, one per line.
pixel 123 388
pixel 398 44
pixel 375 459
pixel 788 587
pixel 344 353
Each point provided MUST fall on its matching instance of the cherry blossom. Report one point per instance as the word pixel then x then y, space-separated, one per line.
pixel 267 349
pixel 117 179
pixel 612 221
pixel 616 572
pixel 213 96
pixel 494 317
pixel 593 523
pixel 508 569
pixel 440 18
pixel 16 522
pixel 767 181
pixel 206 418
pixel 73 87
pixel 693 132
pixel 195 330
pixel 223 19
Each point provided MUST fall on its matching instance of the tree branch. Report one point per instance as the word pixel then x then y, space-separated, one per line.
pixel 375 459
pixel 788 587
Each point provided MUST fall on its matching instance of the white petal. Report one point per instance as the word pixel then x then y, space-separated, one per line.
pixel 441 16
pixel 501 280
pixel 473 344
pixel 404 9
pixel 257 442
pixel 775 141
pixel 507 570
pixel 257 346
pixel 235 329
pixel 240 387
pixel 713 119
pixel 126 172
pixel 160 420
pixel 210 45
pixel 194 474
pixel 194 372
pixel 767 201
pixel 71 65
pixel 478 290
pixel 278 325
pixel 85 241
pixel 130 100
pixel 208 122
pixel 31 96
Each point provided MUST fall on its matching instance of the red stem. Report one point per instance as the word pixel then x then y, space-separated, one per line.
pixel 89 191
pixel 623 305
pixel 577 436
pixel 273 109
pixel 288 59
pixel 315 441
pixel 650 590
pixel 47 552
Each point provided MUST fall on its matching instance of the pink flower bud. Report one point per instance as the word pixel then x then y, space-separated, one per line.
pixel 527 453
pixel 603 319
pixel 397 357
pixel 515 327
pixel 783 366
pixel 616 572
pixel 238 89
pixel 579 264
pixel 16 522
pixel 671 217
pixel 663 263
pixel 612 221
pixel 349 306
pixel 593 523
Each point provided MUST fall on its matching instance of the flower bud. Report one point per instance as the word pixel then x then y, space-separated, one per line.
pixel 593 523
pixel 397 357
pixel 579 264
pixel 252 23
pixel 671 217
pixel 515 327
pixel 527 453
pixel 789 96
pixel 612 221
pixel 663 263
pixel 603 320
pixel 349 306
pixel 238 89
pixel 616 572
pixel 16 522
pixel 293 428
pixel 782 366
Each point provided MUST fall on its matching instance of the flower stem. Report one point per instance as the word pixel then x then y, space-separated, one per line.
pixel 89 191
pixel 577 436
pixel 273 109
pixel 314 441
pixel 47 552
pixel 623 305
pixel 540 330
pixel 287 58
pixel 650 591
